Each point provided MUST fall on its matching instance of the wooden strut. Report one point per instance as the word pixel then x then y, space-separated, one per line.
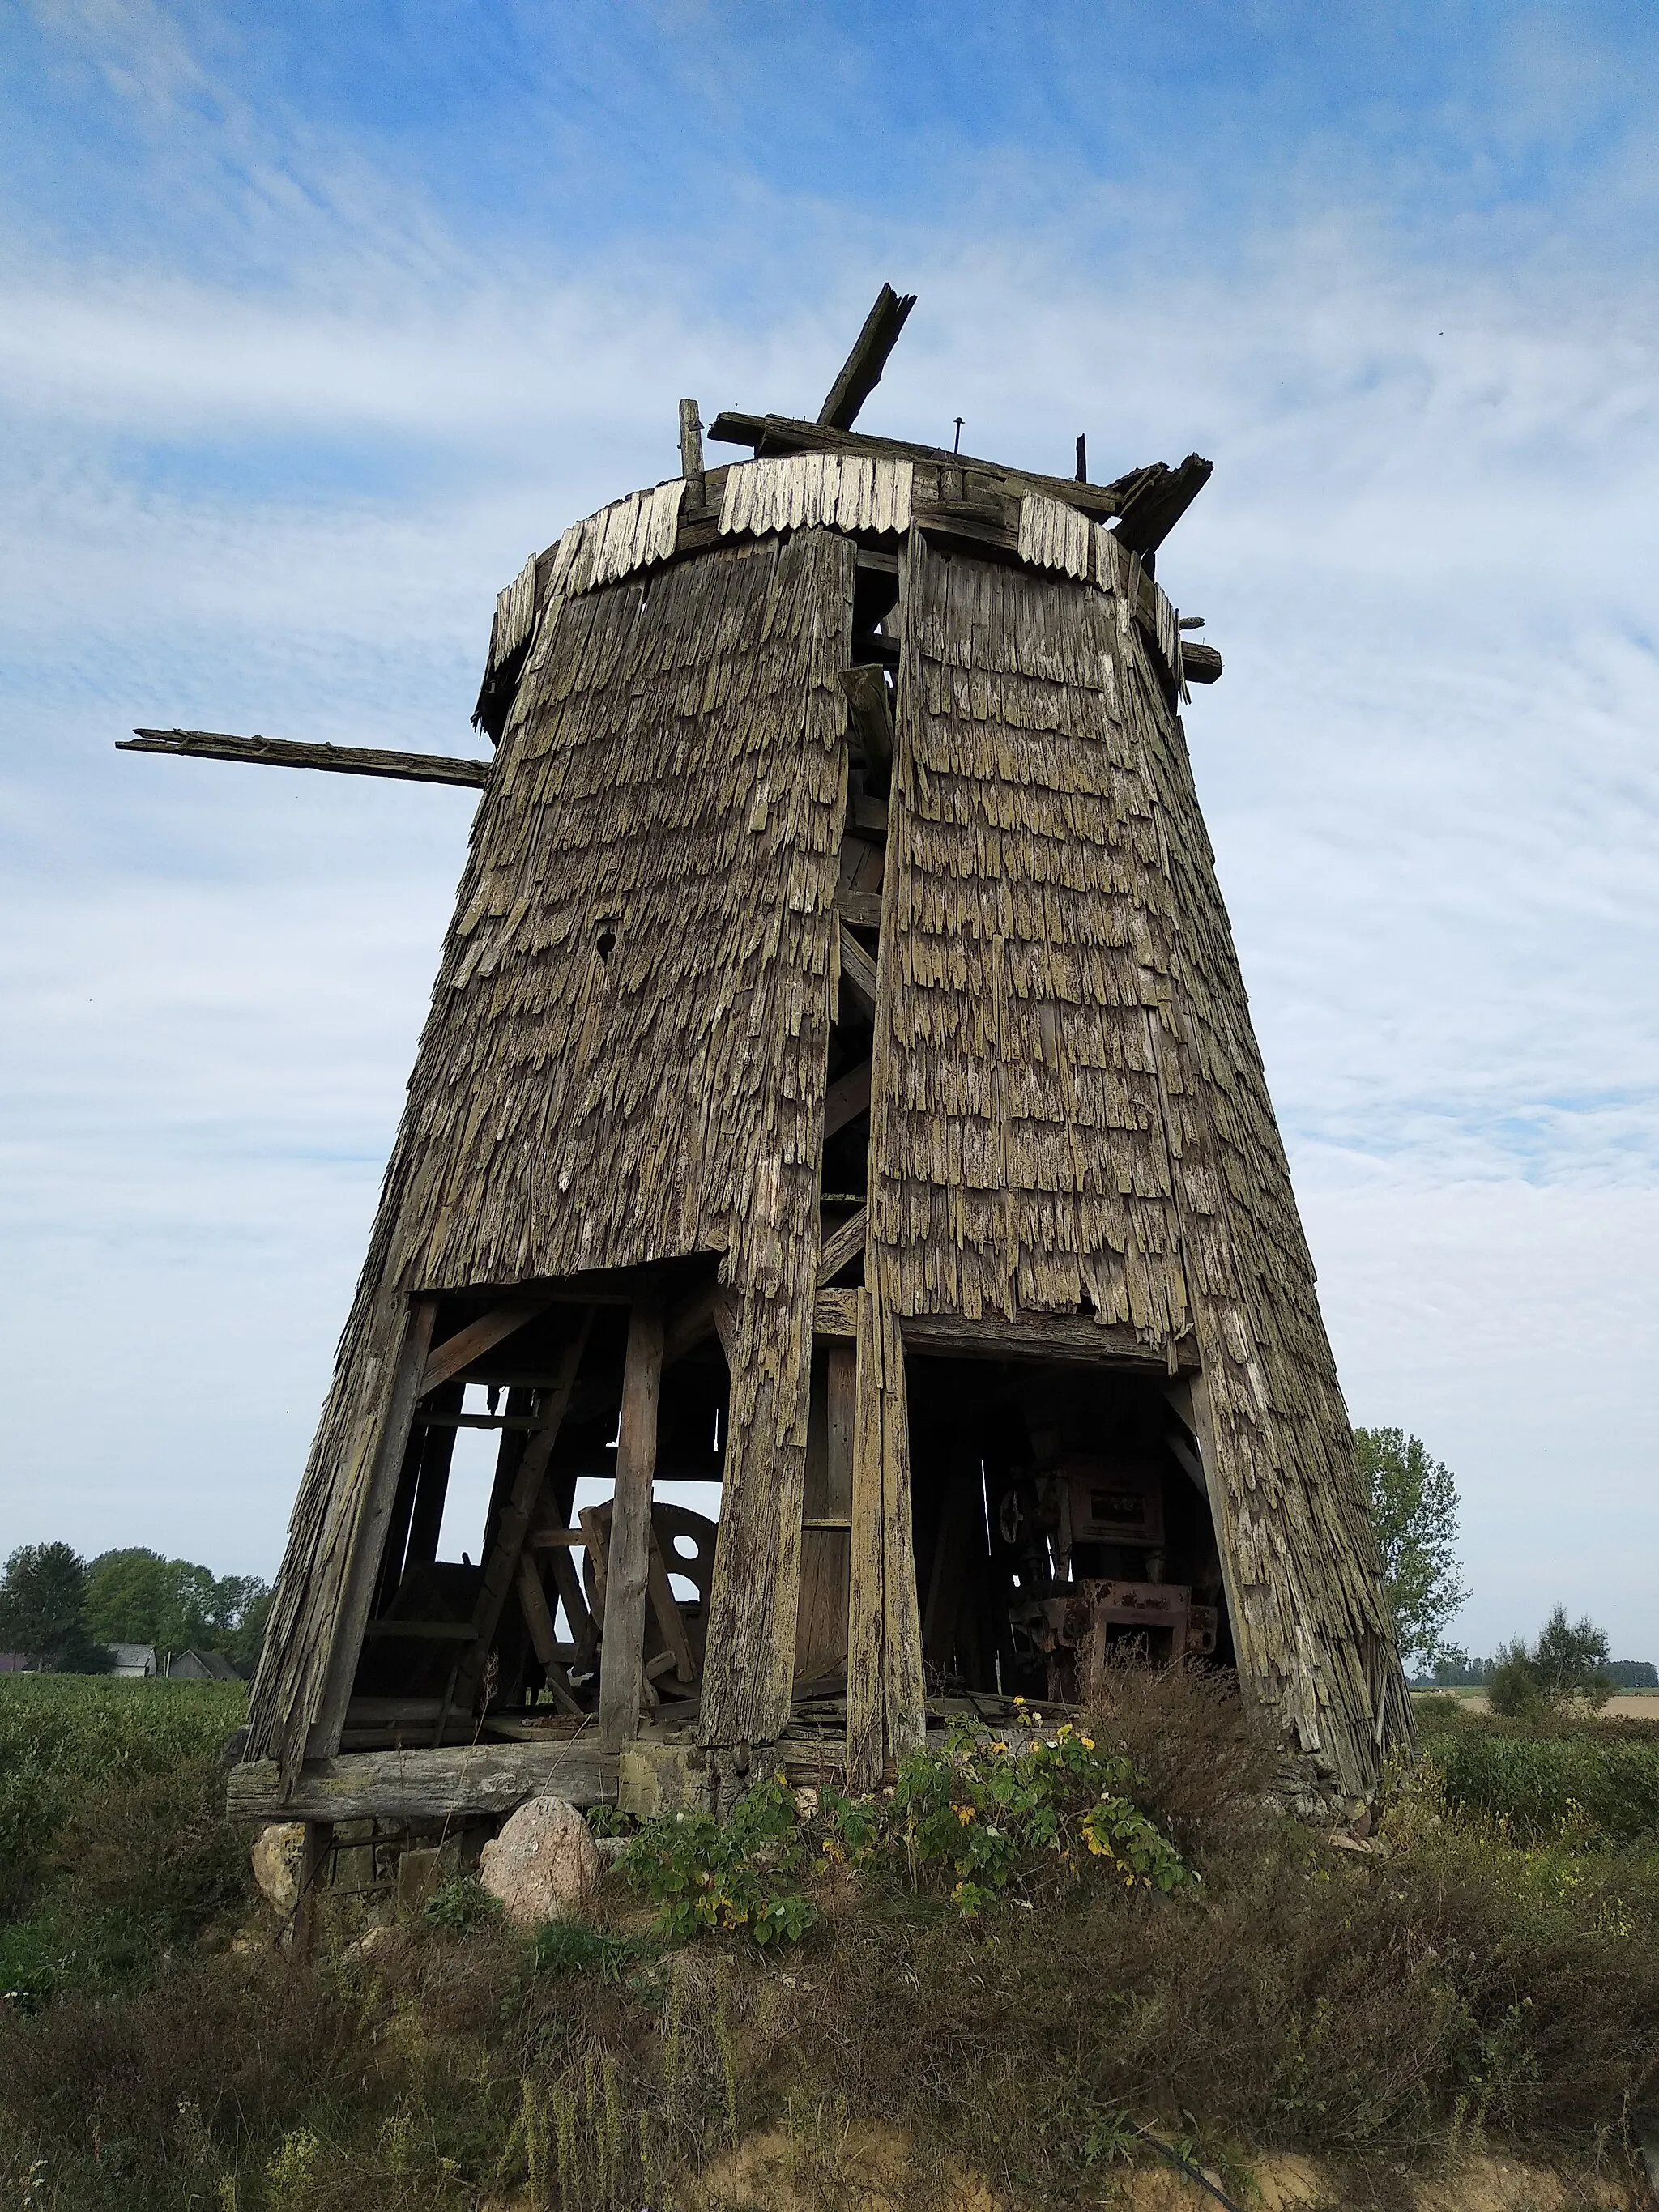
pixel 336 760
pixel 511 1529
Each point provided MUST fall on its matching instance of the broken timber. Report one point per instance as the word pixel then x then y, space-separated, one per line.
pixel 839 1088
pixel 335 760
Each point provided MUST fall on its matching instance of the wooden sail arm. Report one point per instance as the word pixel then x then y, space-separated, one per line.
pixel 336 760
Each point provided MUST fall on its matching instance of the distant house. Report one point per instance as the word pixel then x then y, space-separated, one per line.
pixel 198 1667
pixel 134 1659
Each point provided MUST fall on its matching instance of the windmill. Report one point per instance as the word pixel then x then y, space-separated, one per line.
pixel 839 1088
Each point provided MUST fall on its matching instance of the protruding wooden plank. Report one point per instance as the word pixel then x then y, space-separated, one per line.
pixel 480 1336
pixel 1200 664
pixel 842 1246
pixel 336 760
pixel 861 372
pixel 690 440
pixel 1159 504
pixel 622 1651
pixel 484 1779
pixel 863 1608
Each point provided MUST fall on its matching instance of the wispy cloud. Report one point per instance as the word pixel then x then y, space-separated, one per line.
pixel 282 418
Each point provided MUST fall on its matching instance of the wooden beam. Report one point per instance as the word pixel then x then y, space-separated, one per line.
pixel 538 1619
pixel 861 909
pixel 480 1336
pixel 835 1317
pixel 862 371
pixel 373 1520
pixel 858 973
pixel 871 712
pixel 863 1605
pixel 502 1564
pixel 665 1610
pixel 1069 1337
pixel 622 1651
pixel 904 1698
pixel 336 760
pixel 484 1779
pixel 842 1246
pixel 1159 504
pixel 847 1096
pixel 1200 664
pixel 786 434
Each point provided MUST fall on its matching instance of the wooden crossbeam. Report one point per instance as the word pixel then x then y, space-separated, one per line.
pixel 470 1343
pixel 847 1096
pixel 776 434
pixel 336 760
pixel 843 1247
pixel 862 371
pixel 858 972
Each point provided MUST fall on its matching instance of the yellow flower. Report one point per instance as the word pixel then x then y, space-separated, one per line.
pixel 963 1813
pixel 1087 1741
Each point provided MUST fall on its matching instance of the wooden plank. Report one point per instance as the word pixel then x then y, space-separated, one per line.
pixel 868 817
pixel 871 711
pixel 865 1733
pixel 847 1096
pixel 595 1531
pixel 538 1619
pixel 1200 664
pixel 843 1246
pixel 862 909
pixel 336 760
pixel 858 973
pixel 470 1343
pixel 786 434
pixel 1069 1337
pixel 904 1697
pixel 368 1542
pixel 568 1584
pixel 503 1565
pixel 622 1651
pixel 483 1779
pixel 862 371
pixel 1159 503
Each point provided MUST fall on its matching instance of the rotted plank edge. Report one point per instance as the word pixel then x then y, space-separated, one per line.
pixel 484 1779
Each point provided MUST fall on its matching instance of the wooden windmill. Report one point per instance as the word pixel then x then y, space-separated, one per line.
pixel 839 1088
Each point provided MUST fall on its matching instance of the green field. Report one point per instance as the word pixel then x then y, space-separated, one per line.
pixel 1487 1974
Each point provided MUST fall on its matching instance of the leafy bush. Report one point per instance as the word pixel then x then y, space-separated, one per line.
pixel 985 1815
pixel 1604 1792
pixel 462 1904
pixel 1567 1666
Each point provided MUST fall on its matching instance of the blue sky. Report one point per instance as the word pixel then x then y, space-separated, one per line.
pixel 315 320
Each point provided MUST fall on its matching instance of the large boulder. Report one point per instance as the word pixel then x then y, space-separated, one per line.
pixel 279 1854
pixel 543 1865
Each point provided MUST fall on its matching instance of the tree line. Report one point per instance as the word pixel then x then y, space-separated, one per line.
pixel 61 1612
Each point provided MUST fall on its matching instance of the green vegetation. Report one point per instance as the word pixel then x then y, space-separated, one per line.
pixel 60 1613
pixel 1415 1512
pixel 1486 1969
pixel 1567 1666
pixel 42 1595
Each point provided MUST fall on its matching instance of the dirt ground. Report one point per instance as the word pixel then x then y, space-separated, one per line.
pixel 1628 1705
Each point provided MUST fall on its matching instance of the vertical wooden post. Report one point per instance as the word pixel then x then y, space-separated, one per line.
pixel 691 444
pixel 903 1693
pixel 865 1745
pixel 621 1653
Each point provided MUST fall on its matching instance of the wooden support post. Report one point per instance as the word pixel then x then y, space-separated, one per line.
pixel 538 1619
pixel 621 1653
pixel 903 1693
pixel 864 1745
pixel 434 1451
pixel 313 1862
pixel 502 1564
pixel 369 1541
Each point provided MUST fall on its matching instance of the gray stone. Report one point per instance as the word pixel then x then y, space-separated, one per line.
pixel 543 1865
pixel 279 1854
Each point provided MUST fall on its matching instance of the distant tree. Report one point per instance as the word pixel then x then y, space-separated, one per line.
pixel 40 1600
pixel 1567 1666
pixel 248 1640
pixel 136 1596
pixel 1413 1501
pixel 1633 1674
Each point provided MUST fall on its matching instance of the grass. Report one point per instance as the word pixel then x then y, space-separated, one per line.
pixel 1490 1974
